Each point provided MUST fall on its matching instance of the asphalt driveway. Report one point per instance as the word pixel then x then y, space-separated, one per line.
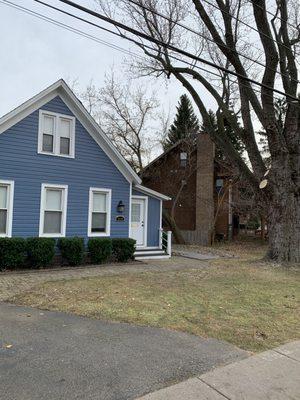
pixel 51 355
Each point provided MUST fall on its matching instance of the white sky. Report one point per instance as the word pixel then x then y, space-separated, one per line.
pixel 36 53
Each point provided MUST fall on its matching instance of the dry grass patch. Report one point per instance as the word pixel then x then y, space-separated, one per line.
pixel 248 303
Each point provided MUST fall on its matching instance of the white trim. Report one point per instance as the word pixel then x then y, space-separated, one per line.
pixel 56 134
pixel 160 230
pixel 10 207
pixel 108 207
pixel 160 215
pixel 151 192
pixel 129 214
pixel 60 88
pixel 64 209
pixel 145 219
pixel 152 257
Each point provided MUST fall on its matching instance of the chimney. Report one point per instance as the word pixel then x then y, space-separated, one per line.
pixel 205 188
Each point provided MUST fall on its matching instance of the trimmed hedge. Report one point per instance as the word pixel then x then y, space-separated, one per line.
pixel 41 251
pixel 12 253
pixel 72 249
pixel 100 249
pixel 123 249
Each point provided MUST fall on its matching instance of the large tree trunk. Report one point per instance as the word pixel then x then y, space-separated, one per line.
pixel 284 221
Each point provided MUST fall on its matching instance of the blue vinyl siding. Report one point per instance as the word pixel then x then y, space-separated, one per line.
pixel 20 162
pixel 153 219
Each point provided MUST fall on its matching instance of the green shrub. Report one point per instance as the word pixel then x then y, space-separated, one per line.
pixel 100 249
pixel 123 249
pixel 72 249
pixel 40 251
pixel 12 253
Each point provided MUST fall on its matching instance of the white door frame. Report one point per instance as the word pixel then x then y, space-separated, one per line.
pixel 145 198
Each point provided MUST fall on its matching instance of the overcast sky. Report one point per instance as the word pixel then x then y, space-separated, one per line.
pixel 36 53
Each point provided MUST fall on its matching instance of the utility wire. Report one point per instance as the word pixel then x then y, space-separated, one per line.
pixel 248 25
pixel 115 47
pixel 162 44
pixel 205 37
pixel 276 16
pixel 69 28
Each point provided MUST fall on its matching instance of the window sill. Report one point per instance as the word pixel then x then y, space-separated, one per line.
pixel 98 234
pixel 52 235
pixel 44 153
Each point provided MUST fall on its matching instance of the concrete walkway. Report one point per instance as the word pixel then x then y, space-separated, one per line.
pixel 272 375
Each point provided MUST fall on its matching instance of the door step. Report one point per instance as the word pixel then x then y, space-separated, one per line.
pixel 146 254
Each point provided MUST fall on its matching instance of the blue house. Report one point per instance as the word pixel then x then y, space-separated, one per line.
pixel 60 176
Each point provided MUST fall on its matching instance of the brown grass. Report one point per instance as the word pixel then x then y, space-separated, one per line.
pixel 243 300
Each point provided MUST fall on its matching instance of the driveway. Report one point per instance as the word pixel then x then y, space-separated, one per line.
pixel 49 355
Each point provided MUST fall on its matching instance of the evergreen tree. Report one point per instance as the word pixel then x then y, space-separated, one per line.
pixel 185 125
pixel 227 131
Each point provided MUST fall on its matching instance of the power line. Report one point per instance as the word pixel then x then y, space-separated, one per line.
pixel 164 45
pixel 69 28
pixel 115 47
pixel 276 16
pixel 248 25
pixel 205 37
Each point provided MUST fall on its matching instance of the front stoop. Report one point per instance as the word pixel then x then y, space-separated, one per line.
pixel 150 254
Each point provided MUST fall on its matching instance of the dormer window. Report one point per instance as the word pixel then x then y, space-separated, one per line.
pixel 56 134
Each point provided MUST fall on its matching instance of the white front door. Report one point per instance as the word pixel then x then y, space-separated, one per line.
pixel 138 221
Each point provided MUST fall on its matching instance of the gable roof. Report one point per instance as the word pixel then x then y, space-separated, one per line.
pixel 61 89
pixel 162 155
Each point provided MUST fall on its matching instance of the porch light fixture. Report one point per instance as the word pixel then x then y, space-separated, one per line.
pixel 121 207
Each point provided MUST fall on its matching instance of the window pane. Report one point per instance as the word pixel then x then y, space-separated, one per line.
pixel 52 222
pixel 49 124
pixel 53 199
pixel 99 202
pixel 3 196
pixel 98 222
pixel 65 128
pixel 135 213
pixel 48 143
pixel 3 219
pixel 64 146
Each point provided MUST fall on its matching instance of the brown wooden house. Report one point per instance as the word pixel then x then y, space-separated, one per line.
pixel 201 189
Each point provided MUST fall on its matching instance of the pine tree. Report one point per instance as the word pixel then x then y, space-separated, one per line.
pixel 228 131
pixel 185 125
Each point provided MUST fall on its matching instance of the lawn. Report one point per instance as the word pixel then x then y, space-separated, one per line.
pixel 245 301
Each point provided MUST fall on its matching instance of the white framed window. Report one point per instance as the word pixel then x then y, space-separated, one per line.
pixel 6 207
pixel 53 212
pixel 56 134
pixel 99 212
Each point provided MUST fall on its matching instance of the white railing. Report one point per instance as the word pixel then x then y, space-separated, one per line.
pixel 165 240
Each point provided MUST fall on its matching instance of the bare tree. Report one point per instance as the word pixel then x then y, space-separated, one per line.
pixel 126 115
pixel 252 43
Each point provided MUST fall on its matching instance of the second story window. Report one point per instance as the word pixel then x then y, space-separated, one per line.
pixel 56 134
pixel 183 159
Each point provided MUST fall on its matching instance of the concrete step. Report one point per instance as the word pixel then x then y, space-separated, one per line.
pixel 143 252
pixel 146 254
